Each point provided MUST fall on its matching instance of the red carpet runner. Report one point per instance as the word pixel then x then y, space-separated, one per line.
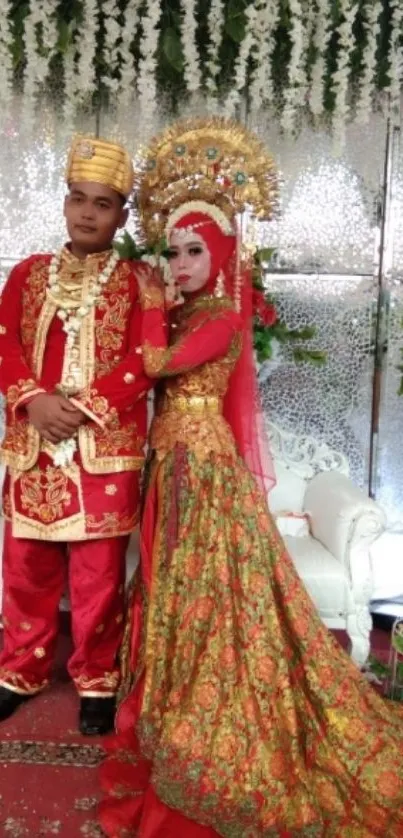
pixel 48 772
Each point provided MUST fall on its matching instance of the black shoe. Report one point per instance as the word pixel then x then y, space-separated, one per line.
pixel 9 701
pixel 97 715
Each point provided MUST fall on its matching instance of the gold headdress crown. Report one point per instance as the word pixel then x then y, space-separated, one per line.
pixel 211 160
pixel 100 161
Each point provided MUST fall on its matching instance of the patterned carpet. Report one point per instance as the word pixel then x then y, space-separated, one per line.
pixel 48 772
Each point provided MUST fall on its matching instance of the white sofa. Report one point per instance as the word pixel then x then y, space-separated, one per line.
pixel 328 525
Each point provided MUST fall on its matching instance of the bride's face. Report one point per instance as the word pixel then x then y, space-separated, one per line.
pixel 190 260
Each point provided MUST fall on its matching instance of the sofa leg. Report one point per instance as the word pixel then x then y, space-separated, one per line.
pixel 359 627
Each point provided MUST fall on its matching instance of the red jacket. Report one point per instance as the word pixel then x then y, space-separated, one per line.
pixel 33 359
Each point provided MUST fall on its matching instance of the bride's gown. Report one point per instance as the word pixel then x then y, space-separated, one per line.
pixel 245 718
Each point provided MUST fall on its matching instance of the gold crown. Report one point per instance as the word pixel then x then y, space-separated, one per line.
pixel 100 161
pixel 214 160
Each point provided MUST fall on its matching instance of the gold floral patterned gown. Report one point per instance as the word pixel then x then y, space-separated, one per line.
pixel 245 716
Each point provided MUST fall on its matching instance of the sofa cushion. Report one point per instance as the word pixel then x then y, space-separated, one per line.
pixel 324 576
pixel 288 493
pixel 292 523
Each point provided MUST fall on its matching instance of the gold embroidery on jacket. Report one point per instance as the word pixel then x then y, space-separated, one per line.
pixel 95 464
pixel 111 441
pixel 45 495
pixel 33 296
pixel 111 523
pixel 16 391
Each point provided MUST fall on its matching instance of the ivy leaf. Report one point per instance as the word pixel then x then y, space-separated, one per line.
pixel 235 28
pixel 236 8
pixel 265 254
pixel 172 49
pixel 127 248
pixel 65 35
pixel 312 356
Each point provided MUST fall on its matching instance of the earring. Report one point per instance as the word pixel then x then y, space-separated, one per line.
pixel 219 289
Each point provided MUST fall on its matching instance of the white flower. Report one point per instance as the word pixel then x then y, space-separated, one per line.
pixel 70 83
pixel 6 60
pixel 348 10
pixel 146 80
pixel 242 61
pixel 261 86
pixel 72 321
pixel 295 91
pixel 87 43
pixel 113 33
pixel 128 71
pixel 40 38
pixel 190 52
pixel 215 24
pixel 322 35
pixel 395 56
pixel 372 26
pixel 63 454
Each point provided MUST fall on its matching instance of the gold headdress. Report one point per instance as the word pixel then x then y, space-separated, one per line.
pixel 210 161
pixel 100 161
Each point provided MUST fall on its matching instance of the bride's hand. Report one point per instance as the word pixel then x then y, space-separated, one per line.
pixel 149 278
pixel 151 288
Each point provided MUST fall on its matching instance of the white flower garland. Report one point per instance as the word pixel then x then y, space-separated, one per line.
pixel 191 55
pixel 215 24
pixel 72 317
pixel 348 9
pixel 6 61
pixel 146 80
pixel 86 73
pixel 261 87
pixel 241 65
pixel 128 71
pixel 297 80
pixel 113 31
pixel 323 32
pixel 38 53
pixel 70 85
pixel 372 25
pixel 63 454
pixel 307 20
pixel 395 57
pixel 64 451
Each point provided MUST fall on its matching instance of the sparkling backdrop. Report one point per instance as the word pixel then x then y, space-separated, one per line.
pixel 329 204
pixel 328 230
pixel 330 402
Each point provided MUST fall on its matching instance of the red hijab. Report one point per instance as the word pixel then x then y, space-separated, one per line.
pixel 242 407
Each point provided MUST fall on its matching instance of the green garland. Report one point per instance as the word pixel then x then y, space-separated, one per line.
pixel 264 335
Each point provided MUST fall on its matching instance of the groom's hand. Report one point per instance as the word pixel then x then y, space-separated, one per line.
pixel 54 417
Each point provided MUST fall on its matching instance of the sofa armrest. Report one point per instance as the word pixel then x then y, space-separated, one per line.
pixel 345 520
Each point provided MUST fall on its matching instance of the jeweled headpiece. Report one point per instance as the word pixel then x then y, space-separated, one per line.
pixel 100 161
pixel 204 162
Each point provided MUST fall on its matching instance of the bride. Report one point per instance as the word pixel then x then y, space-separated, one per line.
pixel 243 716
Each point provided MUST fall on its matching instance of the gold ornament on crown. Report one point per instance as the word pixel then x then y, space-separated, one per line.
pixel 211 160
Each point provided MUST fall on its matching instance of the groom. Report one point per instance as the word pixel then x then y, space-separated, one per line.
pixel 72 375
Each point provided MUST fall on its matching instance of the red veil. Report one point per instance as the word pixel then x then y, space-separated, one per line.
pixel 242 406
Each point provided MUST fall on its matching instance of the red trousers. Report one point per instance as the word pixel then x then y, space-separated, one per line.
pixel 34 575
